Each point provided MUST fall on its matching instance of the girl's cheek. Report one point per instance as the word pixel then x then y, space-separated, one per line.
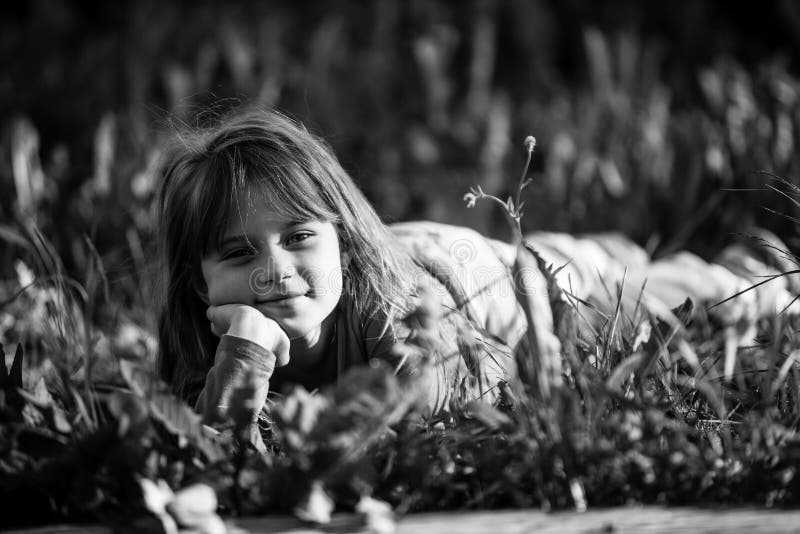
pixel 211 276
pixel 213 292
pixel 226 290
pixel 336 282
pixel 326 278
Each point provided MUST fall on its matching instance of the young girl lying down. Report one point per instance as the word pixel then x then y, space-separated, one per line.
pixel 278 268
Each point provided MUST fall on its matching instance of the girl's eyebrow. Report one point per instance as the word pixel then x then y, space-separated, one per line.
pixel 241 238
pixel 233 239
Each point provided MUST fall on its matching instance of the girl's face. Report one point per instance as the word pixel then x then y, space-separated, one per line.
pixel 289 271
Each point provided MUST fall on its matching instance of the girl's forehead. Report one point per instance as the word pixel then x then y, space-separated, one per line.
pixel 262 206
pixel 259 214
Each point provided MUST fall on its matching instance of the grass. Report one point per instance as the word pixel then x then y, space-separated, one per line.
pixel 640 406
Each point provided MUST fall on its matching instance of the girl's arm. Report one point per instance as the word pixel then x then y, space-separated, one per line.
pixel 238 362
pixel 250 347
pixel 441 352
pixel 471 323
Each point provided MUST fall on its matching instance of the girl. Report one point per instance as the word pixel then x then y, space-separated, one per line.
pixel 279 269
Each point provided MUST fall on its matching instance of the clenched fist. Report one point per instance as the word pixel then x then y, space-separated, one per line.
pixel 248 323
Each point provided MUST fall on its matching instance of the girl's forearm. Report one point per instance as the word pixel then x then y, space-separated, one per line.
pixel 237 362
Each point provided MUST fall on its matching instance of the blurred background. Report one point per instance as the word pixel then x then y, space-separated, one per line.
pixel 656 119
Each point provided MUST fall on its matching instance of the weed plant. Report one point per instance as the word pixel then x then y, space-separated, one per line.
pixel 646 409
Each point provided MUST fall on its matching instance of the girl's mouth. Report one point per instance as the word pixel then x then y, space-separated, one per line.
pixel 279 300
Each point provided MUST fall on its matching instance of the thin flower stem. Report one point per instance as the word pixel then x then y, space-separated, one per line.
pixel 513 219
pixel 495 199
pixel 516 228
pixel 530 144
pixel 522 179
pixel 512 208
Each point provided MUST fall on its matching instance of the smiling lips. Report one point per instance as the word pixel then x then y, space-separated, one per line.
pixel 282 299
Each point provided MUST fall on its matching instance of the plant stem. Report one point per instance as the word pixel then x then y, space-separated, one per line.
pixel 522 180
pixel 516 225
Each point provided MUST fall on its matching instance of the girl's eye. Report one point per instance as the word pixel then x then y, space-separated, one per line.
pixel 237 253
pixel 298 237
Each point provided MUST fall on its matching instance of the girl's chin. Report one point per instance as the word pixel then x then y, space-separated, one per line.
pixel 296 331
pixel 306 333
pixel 300 323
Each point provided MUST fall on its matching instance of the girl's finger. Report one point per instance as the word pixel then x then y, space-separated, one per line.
pixel 220 321
pixel 282 349
pixel 221 315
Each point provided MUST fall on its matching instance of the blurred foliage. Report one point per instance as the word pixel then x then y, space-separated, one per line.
pixel 644 114
pixel 642 413
pixel 649 120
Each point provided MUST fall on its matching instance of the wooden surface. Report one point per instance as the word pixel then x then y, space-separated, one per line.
pixel 615 520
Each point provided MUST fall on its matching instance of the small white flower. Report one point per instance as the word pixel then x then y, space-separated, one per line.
pixel 530 143
pixel 470 199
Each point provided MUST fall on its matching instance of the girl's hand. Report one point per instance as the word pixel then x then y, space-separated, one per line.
pixel 248 323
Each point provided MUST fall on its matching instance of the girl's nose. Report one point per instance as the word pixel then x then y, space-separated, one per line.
pixel 277 268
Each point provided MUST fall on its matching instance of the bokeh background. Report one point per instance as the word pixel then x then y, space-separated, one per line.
pixel 656 119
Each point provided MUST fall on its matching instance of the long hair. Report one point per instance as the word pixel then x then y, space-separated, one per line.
pixel 205 174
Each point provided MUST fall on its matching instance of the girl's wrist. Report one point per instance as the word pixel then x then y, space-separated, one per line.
pixel 253 326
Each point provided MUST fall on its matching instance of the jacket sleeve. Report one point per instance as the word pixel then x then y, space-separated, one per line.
pixel 442 350
pixel 471 276
pixel 237 362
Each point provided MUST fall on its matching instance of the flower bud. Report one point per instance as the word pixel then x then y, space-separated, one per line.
pixel 530 143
